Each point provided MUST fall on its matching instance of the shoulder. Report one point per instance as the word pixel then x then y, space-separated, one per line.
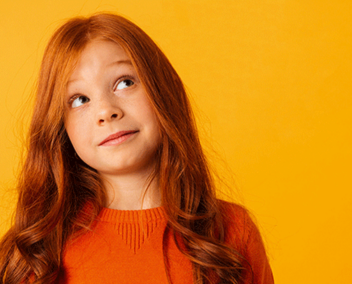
pixel 241 231
pixel 238 224
pixel 242 234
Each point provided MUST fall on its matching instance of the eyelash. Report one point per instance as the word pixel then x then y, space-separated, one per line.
pixel 121 78
pixel 74 97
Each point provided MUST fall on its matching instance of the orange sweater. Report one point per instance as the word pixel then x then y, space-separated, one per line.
pixel 127 247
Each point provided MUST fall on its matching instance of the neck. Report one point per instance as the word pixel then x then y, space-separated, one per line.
pixel 132 191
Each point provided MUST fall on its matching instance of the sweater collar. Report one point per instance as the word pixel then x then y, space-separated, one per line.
pixel 132 216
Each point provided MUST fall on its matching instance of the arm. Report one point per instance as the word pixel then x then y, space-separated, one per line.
pixel 242 234
pixel 255 254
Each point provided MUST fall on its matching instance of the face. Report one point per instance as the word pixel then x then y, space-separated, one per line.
pixel 109 118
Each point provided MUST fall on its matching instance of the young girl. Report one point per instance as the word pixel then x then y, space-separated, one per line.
pixel 115 187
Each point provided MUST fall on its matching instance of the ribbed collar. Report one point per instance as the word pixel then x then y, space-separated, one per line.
pixel 132 216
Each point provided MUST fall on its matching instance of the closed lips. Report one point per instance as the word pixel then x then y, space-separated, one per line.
pixel 117 135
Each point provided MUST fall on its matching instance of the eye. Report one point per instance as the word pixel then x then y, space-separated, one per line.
pixel 124 84
pixel 79 101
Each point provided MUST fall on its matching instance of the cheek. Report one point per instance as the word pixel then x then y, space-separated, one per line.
pixel 154 128
pixel 151 120
pixel 145 111
pixel 75 131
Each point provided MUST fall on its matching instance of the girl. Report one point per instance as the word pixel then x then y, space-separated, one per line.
pixel 115 187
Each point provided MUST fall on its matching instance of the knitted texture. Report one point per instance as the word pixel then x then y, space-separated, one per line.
pixel 128 246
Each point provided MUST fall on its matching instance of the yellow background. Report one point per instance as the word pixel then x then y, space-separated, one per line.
pixel 271 83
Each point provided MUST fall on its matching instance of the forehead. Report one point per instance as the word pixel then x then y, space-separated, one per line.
pixel 98 55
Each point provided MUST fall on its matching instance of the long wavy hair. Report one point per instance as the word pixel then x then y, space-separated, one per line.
pixel 55 185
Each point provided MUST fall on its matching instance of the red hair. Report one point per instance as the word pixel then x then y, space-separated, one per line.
pixel 54 185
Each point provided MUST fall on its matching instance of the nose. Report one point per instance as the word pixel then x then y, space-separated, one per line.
pixel 107 112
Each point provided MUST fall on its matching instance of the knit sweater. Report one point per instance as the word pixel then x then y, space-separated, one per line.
pixel 126 246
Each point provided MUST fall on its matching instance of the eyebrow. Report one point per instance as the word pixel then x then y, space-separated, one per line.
pixel 118 62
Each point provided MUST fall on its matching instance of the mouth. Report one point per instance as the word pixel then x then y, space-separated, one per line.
pixel 117 137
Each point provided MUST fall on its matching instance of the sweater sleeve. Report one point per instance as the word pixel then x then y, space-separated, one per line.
pixel 243 235
pixel 254 253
